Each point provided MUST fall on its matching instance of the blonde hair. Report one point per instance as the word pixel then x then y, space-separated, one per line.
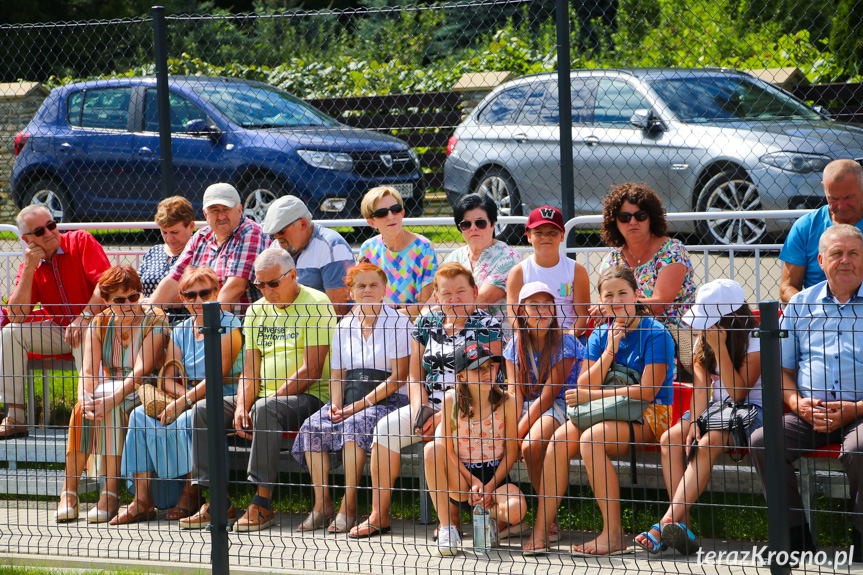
pixel 373 196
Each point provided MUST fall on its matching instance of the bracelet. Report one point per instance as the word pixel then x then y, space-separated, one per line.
pixel 366 402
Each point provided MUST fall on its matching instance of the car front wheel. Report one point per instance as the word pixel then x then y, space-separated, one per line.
pixel 730 191
pixel 50 195
pixel 258 194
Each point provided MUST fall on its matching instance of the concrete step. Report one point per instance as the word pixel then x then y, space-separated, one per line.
pixel 40 482
pixel 41 446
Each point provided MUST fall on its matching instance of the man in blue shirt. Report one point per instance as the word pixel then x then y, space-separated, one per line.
pixel 822 379
pixel 843 187
pixel 321 254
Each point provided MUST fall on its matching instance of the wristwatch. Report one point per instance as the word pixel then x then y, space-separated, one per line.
pixel 189 402
pixel 86 315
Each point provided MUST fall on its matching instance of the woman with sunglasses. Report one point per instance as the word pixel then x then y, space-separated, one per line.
pixel 162 446
pixel 488 259
pixel 122 347
pixel 408 259
pixel 634 226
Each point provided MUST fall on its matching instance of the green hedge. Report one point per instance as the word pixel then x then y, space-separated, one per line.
pixel 321 56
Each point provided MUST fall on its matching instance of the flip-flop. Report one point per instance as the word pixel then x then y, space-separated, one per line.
pixel 678 536
pixel 656 546
pixel 373 531
pixel 513 530
pixel 626 551
pixel 536 551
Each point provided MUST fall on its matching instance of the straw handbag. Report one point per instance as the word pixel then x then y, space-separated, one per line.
pixel 153 397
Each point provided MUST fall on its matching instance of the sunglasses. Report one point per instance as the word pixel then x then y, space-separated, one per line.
pixel 480 224
pixel 204 294
pixel 272 283
pixel 131 298
pixel 625 217
pixel 382 212
pixel 40 231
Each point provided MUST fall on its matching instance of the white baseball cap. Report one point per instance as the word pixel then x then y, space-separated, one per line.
pixel 714 299
pixel 221 194
pixel 533 288
pixel 285 210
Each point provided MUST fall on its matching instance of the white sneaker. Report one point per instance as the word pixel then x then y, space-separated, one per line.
pixel 448 541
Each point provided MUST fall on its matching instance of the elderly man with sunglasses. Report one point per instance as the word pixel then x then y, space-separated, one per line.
pixel 229 244
pixel 285 380
pixel 60 272
pixel 322 255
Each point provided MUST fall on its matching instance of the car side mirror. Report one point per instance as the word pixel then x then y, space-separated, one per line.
pixel 201 128
pixel 647 120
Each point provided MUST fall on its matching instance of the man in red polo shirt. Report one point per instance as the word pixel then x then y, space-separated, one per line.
pixel 59 272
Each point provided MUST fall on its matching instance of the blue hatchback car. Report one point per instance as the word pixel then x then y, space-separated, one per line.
pixel 92 151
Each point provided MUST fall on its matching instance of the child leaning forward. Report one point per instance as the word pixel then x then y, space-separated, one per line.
pixel 477 446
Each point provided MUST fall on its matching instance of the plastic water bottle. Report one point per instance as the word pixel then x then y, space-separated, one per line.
pixel 485 535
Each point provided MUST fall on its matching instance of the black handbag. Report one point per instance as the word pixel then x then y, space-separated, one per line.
pixel 360 382
pixel 736 418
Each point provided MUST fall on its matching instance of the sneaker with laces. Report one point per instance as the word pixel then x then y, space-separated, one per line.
pixel 449 541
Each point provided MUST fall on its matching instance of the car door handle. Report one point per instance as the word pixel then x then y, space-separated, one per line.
pixel 520 137
pixel 66 148
pixel 145 151
pixel 590 141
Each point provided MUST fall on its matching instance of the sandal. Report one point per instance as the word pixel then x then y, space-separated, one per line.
pixel 554 533
pixel 11 429
pixel 96 515
pixel 654 546
pixel 66 513
pixel 128 516
pixel 678 536
pixel 316 520
pixel 187 506
pixel 341 524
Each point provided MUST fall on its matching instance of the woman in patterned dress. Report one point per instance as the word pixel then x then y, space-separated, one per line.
pixel 176 220
pixel 408 259
pixel 489 260
pixel 634 225
pixel 123 346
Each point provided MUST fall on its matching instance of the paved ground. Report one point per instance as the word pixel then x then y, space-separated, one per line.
pixel 30 536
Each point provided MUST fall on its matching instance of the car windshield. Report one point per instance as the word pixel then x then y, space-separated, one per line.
pixel 701 99
pixel 263 107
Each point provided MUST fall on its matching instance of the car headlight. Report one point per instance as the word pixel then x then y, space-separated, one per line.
pixel 797 162
pixel 414 156
pixel 327 160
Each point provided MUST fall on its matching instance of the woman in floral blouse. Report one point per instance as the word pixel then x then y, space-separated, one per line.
pixel 634 225
pixel 488 259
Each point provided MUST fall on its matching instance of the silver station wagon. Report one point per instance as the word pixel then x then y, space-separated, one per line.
pixel 704 139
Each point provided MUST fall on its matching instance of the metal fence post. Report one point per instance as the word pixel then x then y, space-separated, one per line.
pixel 160 43
pixel 564 96
pixel 774 435
pixel 218 527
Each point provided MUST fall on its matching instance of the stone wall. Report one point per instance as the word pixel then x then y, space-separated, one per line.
pixel 18 104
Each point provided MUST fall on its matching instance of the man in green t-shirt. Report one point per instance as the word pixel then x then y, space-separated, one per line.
pixel 285 380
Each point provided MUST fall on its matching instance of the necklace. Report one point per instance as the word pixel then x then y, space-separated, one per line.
pixel 644 253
